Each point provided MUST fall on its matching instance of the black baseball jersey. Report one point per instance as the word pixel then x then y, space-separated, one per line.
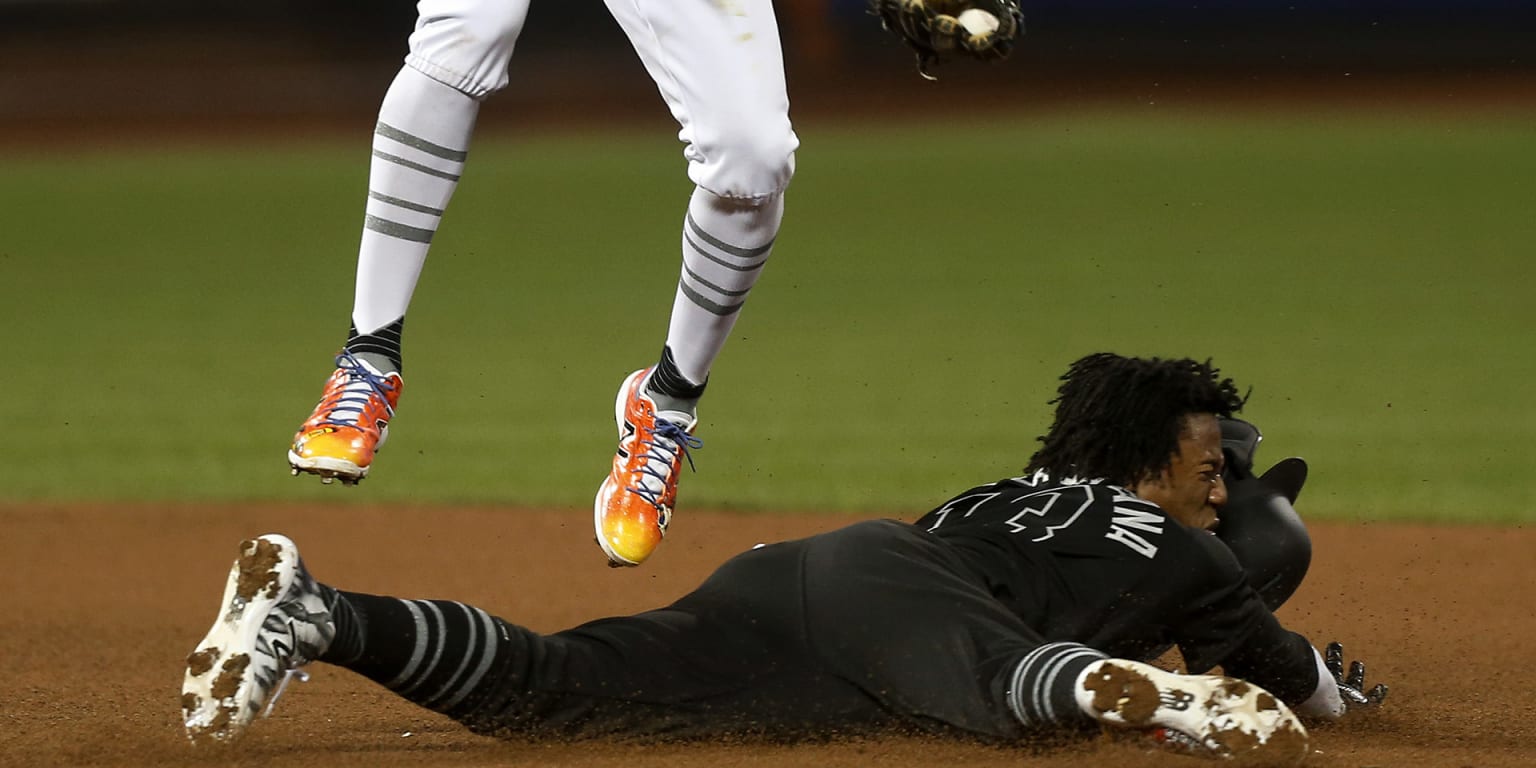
pixel 1093 563
pixel 887 623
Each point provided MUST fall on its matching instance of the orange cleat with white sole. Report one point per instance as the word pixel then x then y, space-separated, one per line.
pixel 349 425
pixel 634 504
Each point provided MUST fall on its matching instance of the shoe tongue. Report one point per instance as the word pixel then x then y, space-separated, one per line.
pixel 377 365
pixel 680 418
pixel 674 409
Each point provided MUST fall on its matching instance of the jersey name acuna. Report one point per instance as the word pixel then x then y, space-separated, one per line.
pixel 1044 507
pixel 1090 562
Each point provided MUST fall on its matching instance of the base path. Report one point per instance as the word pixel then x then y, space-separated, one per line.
pixel 104 603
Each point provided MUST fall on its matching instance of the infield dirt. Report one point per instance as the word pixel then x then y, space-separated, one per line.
pixel 104 603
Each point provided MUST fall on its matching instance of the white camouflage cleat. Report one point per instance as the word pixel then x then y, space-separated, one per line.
pixel 272 621
pixel 1206 715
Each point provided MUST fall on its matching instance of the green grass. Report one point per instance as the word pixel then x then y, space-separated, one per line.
pixel 171 315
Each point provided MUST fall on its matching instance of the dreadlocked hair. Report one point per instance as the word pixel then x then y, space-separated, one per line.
pixel 1119 419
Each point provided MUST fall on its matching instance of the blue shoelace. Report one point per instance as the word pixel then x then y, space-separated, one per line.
pixel 356 371
pixel 652 448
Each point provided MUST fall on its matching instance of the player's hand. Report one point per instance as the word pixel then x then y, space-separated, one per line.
pixel 1352 685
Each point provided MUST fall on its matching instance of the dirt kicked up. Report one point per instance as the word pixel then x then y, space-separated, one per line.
pixel 104 604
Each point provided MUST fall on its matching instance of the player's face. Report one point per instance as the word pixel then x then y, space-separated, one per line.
pixel 1191 490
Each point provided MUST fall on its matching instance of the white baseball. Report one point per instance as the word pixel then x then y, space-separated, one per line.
pixel 978 22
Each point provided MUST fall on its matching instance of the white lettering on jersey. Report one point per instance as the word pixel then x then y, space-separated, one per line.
pixel 1126 518
pixel 1041 477
pixel 1033 506
pixel 1033 480
pixel 942 513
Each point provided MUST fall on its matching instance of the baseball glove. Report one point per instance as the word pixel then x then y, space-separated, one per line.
pixel 937 29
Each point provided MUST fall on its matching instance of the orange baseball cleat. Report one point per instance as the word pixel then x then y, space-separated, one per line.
pixel 634 504
pixel 349 425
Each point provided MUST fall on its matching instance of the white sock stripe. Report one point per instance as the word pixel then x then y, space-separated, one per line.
pixel 416 653
pixel 1039 692
pixel 1016 691
pixel 437 654
pixel 1015 701
pixel 487 655
pixel 1029 689
pixel 1053 670
pixel 471 638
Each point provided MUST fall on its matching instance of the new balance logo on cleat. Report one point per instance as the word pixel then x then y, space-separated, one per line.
pixel 1177 701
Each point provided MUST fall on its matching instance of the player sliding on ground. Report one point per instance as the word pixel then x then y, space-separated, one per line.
pixel 1016 610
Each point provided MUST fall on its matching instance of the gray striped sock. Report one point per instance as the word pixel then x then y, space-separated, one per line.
pixel 1040 692
pixel 441 654
pixel 456 646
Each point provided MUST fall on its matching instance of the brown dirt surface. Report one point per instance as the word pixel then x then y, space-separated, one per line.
pixel 105 603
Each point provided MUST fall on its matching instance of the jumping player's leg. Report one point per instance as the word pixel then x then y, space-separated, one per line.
pixel 458 55
pixel 720 69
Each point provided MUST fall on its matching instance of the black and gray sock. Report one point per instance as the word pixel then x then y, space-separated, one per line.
pixel 441 654
pixel 1041 692
pixel 669 389
pixel 380 349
